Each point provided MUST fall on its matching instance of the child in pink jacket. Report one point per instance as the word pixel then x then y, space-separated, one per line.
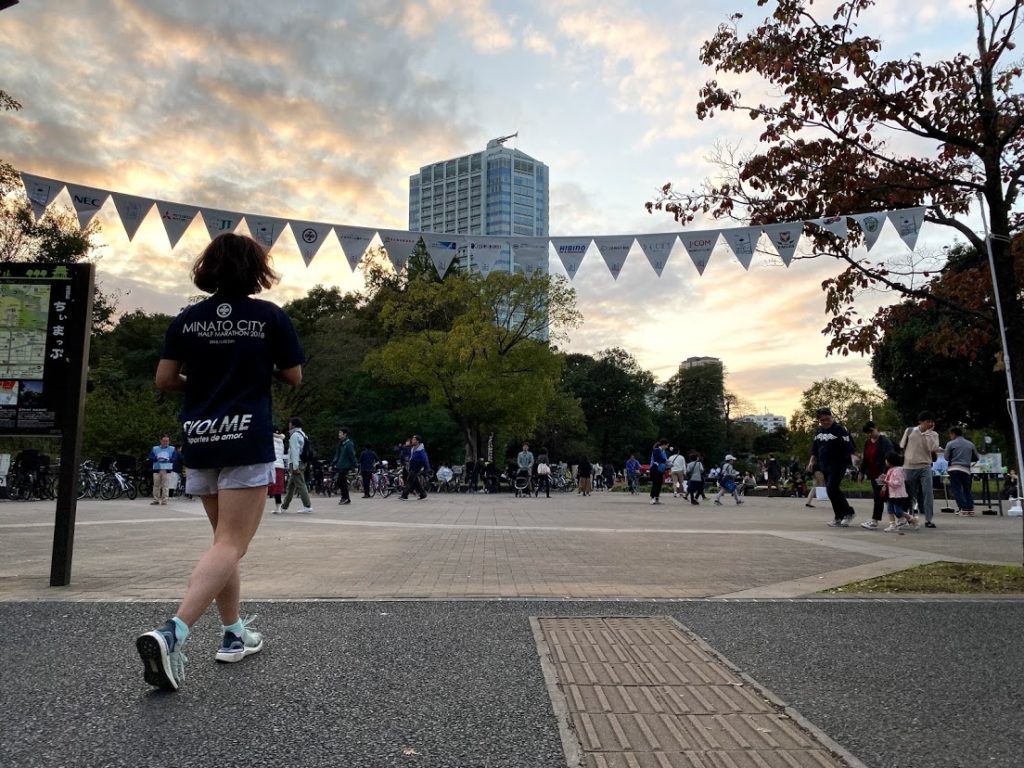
pixel 894 488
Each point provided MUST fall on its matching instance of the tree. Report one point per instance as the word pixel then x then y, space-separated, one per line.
pixel 693 409
pixel 776 441
pixel 472 345
pixel 613 391
pixel 853 132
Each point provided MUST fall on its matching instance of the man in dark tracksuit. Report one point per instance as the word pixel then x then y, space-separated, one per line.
pixel 831 455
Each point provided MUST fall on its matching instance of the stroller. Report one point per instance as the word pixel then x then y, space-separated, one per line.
pixel 521 483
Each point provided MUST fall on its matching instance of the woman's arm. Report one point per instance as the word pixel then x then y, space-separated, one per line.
pixel 291 376
pixel 169 377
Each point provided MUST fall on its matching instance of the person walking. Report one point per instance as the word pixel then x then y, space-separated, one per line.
pixel 961 454
pixel 831 452
pixel 276 488
pixel 920 446
pixel 162 458
pixel 658 465
pixel 344 461
pixel 585 473
pixel 227 394
pixel 876 447
pixel 727 481
pixel 296 469
pixel 367 463
pixel 694 477
pixel 632 473
pixel 543 469
pixel 677 474
pixel 419 466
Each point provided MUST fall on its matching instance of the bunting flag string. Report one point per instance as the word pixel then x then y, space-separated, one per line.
pixel 485 252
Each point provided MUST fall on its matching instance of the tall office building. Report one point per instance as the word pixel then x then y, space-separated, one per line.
pixel 499 191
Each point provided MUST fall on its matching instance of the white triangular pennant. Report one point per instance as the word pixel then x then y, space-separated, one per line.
pixel 218 222
pixel 176 218
pixel 353 241
pixel 871 225
pixel 698 246
pixel 908 223
pixel 784 238
pixel 400 245
pixel 442 249
pixel 614 249
pixel 132 210
pixel 834 224
pixel 41 192
pixel 531 254
pixel 742 240
pixel 657 249
pixel 485 252
pixel 571 251
pixel 87 202
pixel 265 230
pixel 309 235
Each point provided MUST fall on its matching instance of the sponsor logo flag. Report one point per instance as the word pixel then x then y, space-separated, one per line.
pixel 442 249
pixel 871 225
pixel 87 202
pixel 132 210
pixel 657 249
pixel 699 246
pixel 41 192
pixel 400 246
pixel 614 249
pixel 309 235
pixel 834 224
pixel 486 252
pixel 571 251
pixel 908 223
pixel 785 237
pixel 742 241
pixel 176 219
pixel 353 241
pixel 265 230
pixel 218 222
pixel 530 254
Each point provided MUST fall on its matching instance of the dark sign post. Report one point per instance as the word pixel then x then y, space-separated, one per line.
pixel 45 325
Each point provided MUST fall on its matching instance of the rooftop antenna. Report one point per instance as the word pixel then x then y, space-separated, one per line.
pixel 500 141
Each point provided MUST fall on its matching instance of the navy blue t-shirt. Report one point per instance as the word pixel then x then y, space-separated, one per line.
pixel 229 347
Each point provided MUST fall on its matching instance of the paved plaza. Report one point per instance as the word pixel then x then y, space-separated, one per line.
pixel 413 634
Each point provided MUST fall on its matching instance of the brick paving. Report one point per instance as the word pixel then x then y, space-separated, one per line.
pixel 462 546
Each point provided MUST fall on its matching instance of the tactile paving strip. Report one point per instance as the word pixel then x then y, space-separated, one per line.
pixel 642 692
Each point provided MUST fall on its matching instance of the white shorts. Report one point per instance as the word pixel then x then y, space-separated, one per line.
pixel 206 482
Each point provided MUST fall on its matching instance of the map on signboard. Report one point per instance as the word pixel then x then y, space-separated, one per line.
pixel 24 309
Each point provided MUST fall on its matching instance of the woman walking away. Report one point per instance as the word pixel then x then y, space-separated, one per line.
pixel 694 477
pixel 276 488
pixel 222 353
pixel 659 462
pixel 586 476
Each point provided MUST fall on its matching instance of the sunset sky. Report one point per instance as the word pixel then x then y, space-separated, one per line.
pixel 321 110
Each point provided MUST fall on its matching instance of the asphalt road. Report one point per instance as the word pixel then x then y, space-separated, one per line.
pixel 458 684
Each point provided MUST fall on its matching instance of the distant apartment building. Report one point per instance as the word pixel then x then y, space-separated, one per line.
pixel 499 191
pixel 693 362
pixel 768 422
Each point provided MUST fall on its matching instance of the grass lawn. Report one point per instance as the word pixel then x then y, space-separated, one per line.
pixel 943 578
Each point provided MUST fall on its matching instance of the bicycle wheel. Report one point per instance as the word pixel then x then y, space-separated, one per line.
pixel 385 487
pixel 131 489
pixel 371 489
pixel 109 488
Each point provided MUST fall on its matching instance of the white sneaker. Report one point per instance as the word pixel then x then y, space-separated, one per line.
pixel 305 511
pixel 869 524
pixel 891 527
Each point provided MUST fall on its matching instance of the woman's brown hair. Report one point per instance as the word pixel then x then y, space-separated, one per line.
pixel 234 264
